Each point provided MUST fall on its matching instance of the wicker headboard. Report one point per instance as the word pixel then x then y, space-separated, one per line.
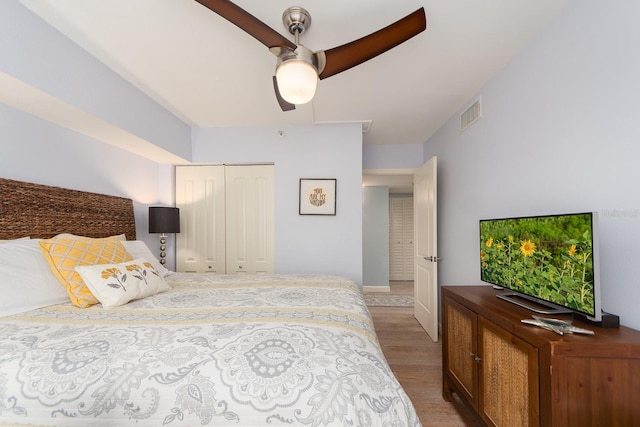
pixel 42 211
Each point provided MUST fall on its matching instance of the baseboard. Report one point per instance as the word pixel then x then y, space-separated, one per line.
pixel 376 289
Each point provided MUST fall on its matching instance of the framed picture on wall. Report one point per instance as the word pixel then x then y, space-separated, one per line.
pixel 317 196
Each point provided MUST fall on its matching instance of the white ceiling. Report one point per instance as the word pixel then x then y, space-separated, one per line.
pixel 211 74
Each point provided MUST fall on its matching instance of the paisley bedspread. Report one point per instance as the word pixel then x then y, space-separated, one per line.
pixel 214 350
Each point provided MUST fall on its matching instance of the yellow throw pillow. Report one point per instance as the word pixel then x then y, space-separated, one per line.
pixel 65 252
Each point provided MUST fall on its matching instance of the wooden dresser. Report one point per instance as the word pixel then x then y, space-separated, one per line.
pixel 511 374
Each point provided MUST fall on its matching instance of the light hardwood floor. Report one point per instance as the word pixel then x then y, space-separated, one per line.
pixel 415 360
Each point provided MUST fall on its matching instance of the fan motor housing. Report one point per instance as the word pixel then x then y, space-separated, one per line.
pixel 296 20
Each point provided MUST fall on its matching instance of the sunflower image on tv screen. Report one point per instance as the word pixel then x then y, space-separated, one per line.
pixel 547 257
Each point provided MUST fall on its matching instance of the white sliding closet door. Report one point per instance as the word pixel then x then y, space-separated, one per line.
pixel 200 195
pixel 226 219
pixel 250 219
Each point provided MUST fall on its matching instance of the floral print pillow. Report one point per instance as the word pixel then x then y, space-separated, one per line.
pixel 117 284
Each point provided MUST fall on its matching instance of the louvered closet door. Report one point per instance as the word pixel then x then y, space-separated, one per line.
pixel 401 256
pixel 250 219
pixel 200 245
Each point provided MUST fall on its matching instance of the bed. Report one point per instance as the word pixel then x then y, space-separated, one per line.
pixel 203 349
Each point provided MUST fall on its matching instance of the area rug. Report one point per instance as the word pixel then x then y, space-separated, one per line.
pixel 383 300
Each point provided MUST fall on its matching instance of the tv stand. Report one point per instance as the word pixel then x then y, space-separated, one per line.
pixel 506 373
pixel 535 305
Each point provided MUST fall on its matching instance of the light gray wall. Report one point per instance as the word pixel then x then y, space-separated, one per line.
pixel 304 243
pixel 392 156
pixel 37 54
pixel 35 150
pixel 559 133
pixel 375 235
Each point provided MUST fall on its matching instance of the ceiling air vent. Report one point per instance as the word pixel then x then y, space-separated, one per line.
pixel 471 114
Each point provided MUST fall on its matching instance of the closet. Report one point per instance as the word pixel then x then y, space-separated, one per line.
pixel 401 256
pixel 226 219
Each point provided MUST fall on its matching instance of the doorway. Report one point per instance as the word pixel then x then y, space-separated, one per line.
pixel 425 249
pixel 399 183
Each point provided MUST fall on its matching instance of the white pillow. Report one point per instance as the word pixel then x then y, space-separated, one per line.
pixel 13 240
pixel 117 284
pixel 138 249
pixel 26 281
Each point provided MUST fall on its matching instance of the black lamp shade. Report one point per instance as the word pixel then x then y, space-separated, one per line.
pixel 164 219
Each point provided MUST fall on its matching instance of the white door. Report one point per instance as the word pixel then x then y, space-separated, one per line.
pixel 426 253
pixel 250 219
pixel 200 245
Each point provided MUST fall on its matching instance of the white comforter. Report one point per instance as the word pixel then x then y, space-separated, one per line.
pixel 215 350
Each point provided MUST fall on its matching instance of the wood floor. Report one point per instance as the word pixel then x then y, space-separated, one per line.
pixel 415 360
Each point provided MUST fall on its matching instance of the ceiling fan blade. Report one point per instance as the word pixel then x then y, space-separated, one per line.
pixel 341 58
pixel 286 106
pixel 248 23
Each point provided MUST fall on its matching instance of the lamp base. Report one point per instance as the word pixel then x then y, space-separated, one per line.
pixel 163 248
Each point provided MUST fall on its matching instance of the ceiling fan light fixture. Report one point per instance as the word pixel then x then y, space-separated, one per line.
pixel 299 69
pixel 297 81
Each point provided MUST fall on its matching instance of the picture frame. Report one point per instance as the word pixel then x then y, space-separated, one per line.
pixel 317 196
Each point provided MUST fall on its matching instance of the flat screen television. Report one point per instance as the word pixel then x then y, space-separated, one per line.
pixel 549 264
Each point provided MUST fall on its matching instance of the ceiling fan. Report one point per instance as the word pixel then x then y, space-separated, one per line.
pixel 298 68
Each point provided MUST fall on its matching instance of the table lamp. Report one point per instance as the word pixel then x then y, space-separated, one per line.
pixel 164 219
